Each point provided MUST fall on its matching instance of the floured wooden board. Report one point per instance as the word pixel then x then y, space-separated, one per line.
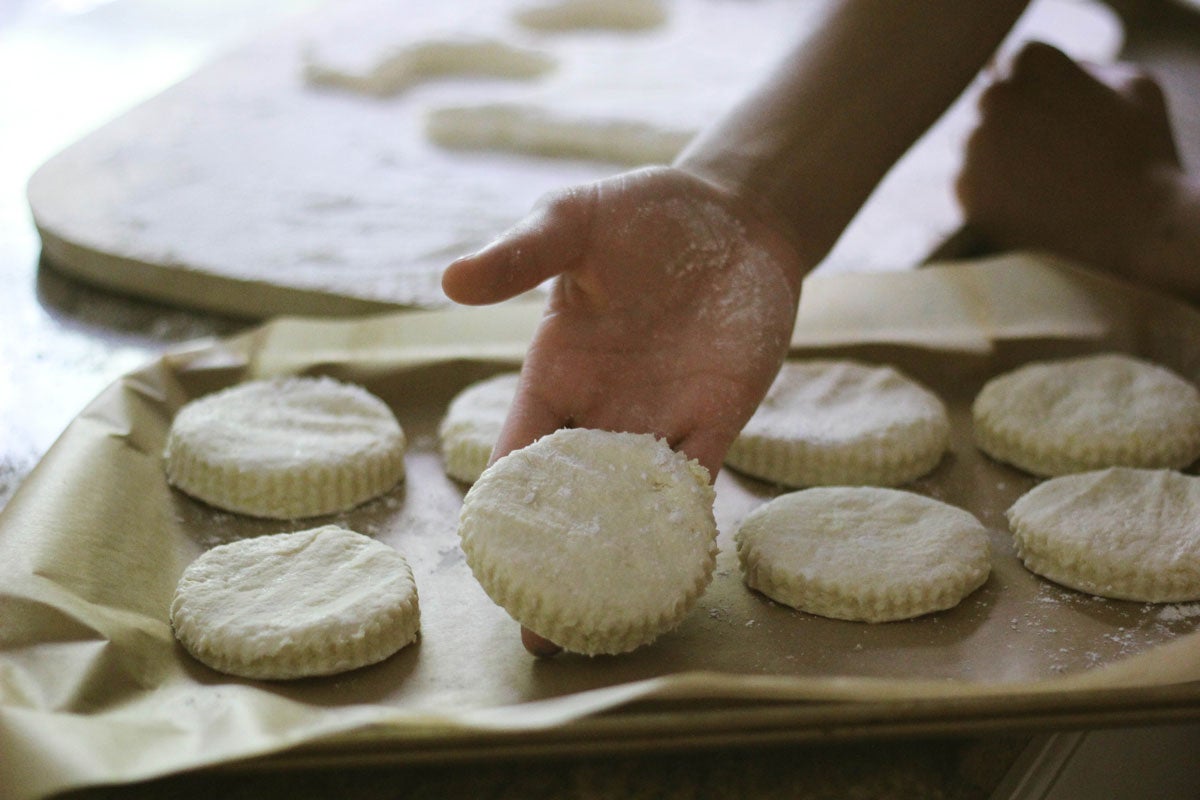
pixel 245 190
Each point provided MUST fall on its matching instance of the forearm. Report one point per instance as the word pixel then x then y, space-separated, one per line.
pixel 813 141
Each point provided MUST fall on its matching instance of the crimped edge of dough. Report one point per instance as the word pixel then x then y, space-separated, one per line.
pixel 229 650
pixel 1009 443
pixel 1044 556
pixel 593 636
pixel 798 464
pixel 588 632
pixel 305 491
pixel 828 599
pixel 464 457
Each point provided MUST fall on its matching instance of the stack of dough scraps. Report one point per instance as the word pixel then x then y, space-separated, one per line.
pixel 825 423
pixel 296 605
pixel 1077 414
pixel 863 553
pixel 286 448
pixel 597 541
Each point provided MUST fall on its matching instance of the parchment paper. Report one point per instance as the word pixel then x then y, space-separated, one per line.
pixel 94 689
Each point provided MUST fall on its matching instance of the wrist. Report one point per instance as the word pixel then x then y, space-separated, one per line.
pixel 735 181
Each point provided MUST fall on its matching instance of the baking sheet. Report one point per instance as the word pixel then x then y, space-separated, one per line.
pixel 93 687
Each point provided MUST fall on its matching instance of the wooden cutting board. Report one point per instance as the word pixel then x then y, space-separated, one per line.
pixel 244 190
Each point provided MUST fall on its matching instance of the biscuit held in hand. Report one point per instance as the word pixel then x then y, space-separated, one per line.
pixel 598 541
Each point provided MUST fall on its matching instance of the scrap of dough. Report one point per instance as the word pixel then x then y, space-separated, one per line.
pixel 1079 414
pixel 295 605
pixel 840 422
pixel 1124 533
pixel 471 426
pixel 565 15
pixel 424 61
pixel 863 553
pixel 532 130
pixel 285 448
pixel 597 541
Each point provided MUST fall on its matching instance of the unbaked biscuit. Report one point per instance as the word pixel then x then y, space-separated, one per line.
pixel 469 430
pixel 826 423
pixel 1080 414
pixel 1124 533
pixel 597 541
pixel 285 448
pixel 295 605
pixel 863 553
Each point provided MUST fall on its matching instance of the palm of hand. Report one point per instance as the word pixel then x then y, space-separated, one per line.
pixel 670 315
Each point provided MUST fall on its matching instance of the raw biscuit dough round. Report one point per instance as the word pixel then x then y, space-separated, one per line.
pixel 1121 532
pixel 469 430
pixel 863 553
pixel 597 541
pixel 296 605
pixel 285 448
pixel 1079 414
pixel 841 422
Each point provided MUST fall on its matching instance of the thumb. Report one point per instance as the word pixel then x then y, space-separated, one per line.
pixel 546 243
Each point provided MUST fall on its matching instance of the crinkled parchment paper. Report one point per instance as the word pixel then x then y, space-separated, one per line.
pixel 94 688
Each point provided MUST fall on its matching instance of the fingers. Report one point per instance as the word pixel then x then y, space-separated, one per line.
pixel 546 243
pixel 1045 87
pixel 708 447
pixel 536 645
pixel 1041 72
pixel 1039 75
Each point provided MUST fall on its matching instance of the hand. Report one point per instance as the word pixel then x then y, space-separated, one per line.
pixel 671 312
pixel 1071 159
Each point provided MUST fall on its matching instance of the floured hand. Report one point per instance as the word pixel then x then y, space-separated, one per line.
pixel 671 311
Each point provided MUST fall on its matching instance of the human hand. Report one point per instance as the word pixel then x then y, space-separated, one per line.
pixel 671 312
pixel 1068 158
